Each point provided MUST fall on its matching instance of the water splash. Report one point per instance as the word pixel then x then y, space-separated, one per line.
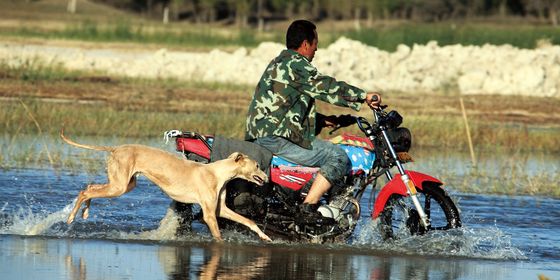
pixel 168 226
pixel 487 243
pixel 166 230
pixel 25 222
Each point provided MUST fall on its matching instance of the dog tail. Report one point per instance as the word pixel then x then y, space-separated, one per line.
pixel 90 147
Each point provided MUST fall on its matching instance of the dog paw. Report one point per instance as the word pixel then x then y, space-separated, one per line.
pixel 265 238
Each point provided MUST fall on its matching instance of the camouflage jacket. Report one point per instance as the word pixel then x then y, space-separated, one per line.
pixel 284 100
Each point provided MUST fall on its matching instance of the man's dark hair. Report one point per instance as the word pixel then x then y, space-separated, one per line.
pixel 299 31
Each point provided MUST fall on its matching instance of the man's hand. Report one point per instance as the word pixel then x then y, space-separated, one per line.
pixel 345 120
pixel 333 121
pixel 342 120
pixel 330 121
pixel 373 100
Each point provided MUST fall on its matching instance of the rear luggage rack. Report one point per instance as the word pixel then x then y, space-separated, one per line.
pixel 190 142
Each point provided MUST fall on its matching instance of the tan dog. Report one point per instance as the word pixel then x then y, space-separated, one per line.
pixel 182 180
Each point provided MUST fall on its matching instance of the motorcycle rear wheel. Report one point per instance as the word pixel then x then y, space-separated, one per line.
pixel 399 217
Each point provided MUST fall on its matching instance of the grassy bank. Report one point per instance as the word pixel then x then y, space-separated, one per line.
pixel 383 37
pixel 27 146
pixel 449 33
pixel 498 172
pixel 447 132
pixel 93 104
pixel 101 23
pixel 124 32
pixel 36 100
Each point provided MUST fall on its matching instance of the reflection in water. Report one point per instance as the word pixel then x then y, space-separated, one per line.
pixel 218 261
pixel 75 271
pixel 31 257
pixel 226 261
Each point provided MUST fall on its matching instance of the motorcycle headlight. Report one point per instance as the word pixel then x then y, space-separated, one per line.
pixel 392 120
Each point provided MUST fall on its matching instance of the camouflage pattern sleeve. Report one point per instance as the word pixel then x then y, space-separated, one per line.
pixel 307 79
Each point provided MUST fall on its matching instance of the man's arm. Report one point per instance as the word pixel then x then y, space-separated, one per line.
pixel 325 88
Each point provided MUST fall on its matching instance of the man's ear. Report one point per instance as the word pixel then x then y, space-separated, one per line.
pixel 305 44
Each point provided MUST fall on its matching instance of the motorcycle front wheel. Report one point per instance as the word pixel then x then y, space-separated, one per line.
pixel 400 217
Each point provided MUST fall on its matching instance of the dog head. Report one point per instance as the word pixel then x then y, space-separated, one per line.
pixel 248 169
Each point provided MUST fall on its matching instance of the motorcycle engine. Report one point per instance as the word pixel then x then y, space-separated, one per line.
pixel 329 212
pixel 344 210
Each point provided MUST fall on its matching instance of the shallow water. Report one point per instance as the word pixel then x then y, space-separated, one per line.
pixel 503 237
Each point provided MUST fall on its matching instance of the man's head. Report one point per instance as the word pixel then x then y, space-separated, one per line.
pixel 302 38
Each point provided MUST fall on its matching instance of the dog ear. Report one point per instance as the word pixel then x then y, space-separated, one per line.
pixel 237 156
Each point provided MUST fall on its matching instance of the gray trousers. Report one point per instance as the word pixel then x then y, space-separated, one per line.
pixel 331 159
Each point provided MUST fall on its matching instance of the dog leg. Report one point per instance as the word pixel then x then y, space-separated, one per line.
pixel 85 197
pixel 231 215
pixel 85 211
pixel 209 216
pixel 121 181
pixel 95 191
pixel 77 206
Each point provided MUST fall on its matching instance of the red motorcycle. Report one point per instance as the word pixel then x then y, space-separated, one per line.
pixel 409 203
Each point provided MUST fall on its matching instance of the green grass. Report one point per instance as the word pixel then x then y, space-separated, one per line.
pixel 34 70
pixel 101 23
pixel 106 125
pixel 508 176
pixel 504 178
pixel 95 120
pixel 448 132
pixel 523 36
pixel 383 37
pixel 204 37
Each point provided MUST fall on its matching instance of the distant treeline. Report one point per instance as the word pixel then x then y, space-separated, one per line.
pixel 258 12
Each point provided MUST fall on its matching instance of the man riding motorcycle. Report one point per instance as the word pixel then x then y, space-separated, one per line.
pixel 282 115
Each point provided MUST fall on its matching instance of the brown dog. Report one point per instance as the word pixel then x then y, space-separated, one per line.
pixel 182 180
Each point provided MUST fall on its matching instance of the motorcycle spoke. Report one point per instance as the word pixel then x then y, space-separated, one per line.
pixel 401 217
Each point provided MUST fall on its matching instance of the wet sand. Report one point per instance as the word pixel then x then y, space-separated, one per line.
pixel 23 257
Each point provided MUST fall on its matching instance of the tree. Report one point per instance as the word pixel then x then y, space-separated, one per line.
pixel 553 7
pixel 473 7
pixel 71 8
pixel 549 9
pixel 175 7
pixel 206 10
pixel 502 8
pixel 242 9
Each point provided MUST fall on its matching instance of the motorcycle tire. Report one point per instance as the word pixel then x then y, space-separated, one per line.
pixel 399 217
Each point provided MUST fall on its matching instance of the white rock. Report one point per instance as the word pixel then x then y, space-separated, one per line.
pixel 486 69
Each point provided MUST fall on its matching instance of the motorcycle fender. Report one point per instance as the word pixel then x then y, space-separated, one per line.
pixel 396 186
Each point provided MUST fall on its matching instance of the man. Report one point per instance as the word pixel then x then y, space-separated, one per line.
pixel 282 116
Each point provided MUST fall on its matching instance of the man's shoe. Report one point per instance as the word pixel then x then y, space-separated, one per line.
pixel 308 214
pixel 308 208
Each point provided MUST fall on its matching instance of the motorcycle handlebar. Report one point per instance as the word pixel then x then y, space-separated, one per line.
pixel 380 108
pixel 362 122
